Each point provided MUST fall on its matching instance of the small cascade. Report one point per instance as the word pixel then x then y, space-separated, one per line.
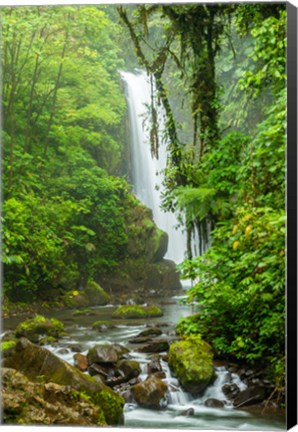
pixel 147 171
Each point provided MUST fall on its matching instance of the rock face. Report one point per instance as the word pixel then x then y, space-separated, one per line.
pixel 191 360
pixel 143 269
pixel 26 402
pixel 150 393
pixel 137 311
pixel 34 361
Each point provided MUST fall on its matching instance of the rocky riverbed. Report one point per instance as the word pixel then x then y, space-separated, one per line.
pixel 129 359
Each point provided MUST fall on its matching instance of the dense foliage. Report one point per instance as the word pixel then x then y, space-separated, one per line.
pixel 63 138
pixel 222 87
pixel 228 176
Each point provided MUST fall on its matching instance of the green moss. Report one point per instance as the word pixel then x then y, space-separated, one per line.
pixel 7 345
pixel 192 361
pixel 96 294
pixel 112 406
pixel 137 311
pixel 47 340
pixel 38 326
pixel 98 324
pixel 76 299
pixel 83 312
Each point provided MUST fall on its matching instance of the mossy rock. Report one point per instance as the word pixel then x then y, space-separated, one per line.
pixel 7 346
pixel 137 311
pixel 102 325
pixel 34 361
pixel 192 361
pixel 96 294
pixel 26 402
pixel 76 299
pixel 39 327
pixel 85 312
pixel 112 404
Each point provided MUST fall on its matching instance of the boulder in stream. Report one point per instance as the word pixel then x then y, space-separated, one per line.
pixel 37 328
pixel 137 311
pixel 38 363
pixel 128 369
pixel 191 360
pixel 106 353
pixel 214 403
pixel 150 393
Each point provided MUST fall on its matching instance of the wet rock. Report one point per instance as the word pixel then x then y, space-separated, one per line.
pixel 76 348
pixel 106 353
pixel 63 351
pixel 157 345
pixel 214 403
pixel 150 331
pixel 250 396
pixel 192 361
pixel 115 381
pixel 187 412
pixel 150 393
pixel 140 339
pixel 230 390
pixel 128 369
pixel 104 371
pixel 160 374
pixel 154 366
pixel 80 362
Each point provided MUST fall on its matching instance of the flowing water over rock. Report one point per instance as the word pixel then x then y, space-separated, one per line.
pixel 147 171
pixel 181 411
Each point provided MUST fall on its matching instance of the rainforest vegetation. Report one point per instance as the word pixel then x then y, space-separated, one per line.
pixel 66 189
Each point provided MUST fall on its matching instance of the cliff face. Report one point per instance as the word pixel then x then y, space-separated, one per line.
pixel 143 270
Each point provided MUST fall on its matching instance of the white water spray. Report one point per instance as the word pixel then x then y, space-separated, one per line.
pixel 148 171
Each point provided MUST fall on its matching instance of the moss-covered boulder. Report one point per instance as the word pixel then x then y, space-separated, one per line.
pixel 137 311
pixel 96 294
pixel 101 325
pixel 7 347
pixel 27 403
pixel 37 328
pixel 84 312
pixel 191 360
pixel 150 393
pixel 37 362
pixel 76 299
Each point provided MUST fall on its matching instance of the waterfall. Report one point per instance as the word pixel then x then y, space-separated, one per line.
pixel 147 172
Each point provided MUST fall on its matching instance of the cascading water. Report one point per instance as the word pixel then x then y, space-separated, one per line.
pixel 148 171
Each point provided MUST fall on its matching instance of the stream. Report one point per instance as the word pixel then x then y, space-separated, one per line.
pixel 80 335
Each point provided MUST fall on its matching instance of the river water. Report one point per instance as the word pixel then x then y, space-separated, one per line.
pixel 172 416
